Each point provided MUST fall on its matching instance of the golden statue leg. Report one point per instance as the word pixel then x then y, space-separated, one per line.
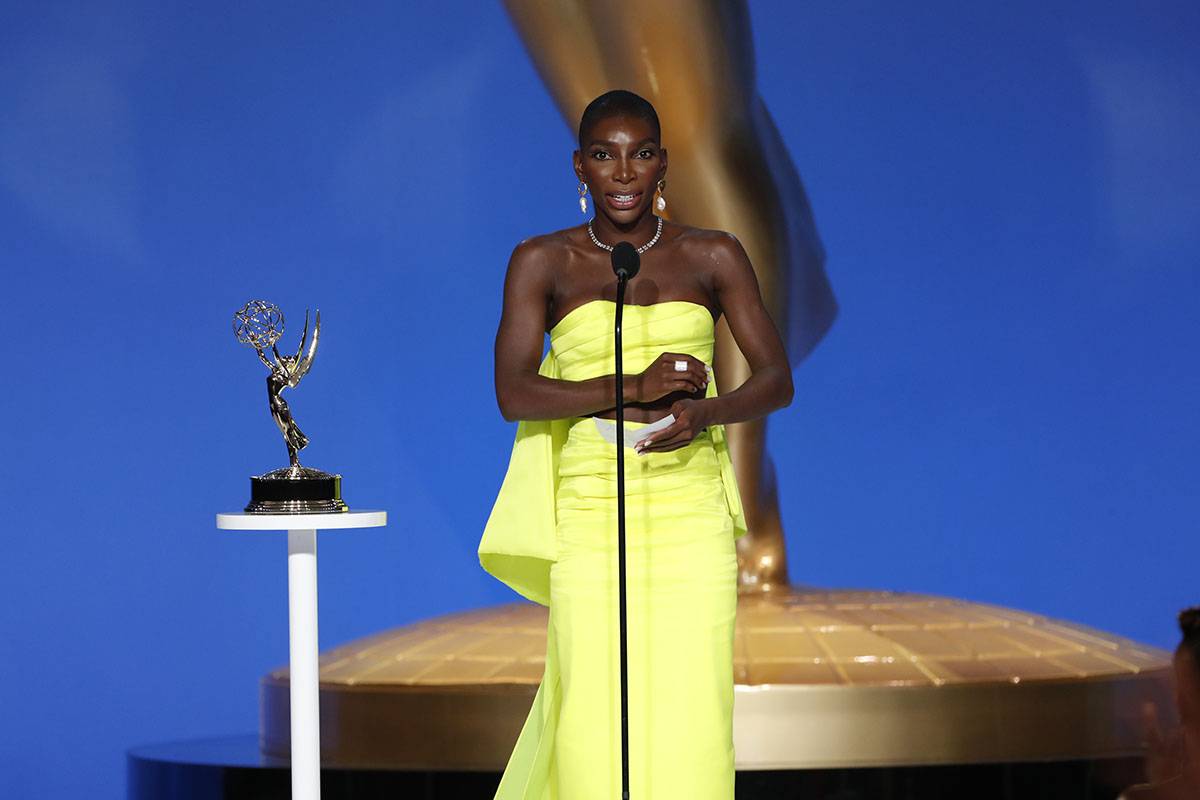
pixel 729 170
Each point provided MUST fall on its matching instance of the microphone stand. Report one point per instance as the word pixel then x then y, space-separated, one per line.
pixel 622 280
pixel 626 261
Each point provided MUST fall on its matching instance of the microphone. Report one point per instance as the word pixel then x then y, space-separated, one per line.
pixel 625 260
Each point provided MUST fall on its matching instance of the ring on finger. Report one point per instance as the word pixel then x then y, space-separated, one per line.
pixel 681 366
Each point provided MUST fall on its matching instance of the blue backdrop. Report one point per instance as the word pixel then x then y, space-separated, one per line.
pixel 1005 409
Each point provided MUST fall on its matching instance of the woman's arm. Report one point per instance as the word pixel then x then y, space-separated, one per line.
pixel 523 394
pixel 769 386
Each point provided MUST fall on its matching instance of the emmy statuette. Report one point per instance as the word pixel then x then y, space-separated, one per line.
pixel 293 489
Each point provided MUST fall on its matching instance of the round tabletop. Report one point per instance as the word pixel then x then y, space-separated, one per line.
pixel 241 521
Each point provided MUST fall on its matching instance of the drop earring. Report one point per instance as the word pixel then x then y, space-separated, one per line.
pixel 660 202
pixel 583 192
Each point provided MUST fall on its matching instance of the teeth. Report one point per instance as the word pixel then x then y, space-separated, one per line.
pixel 623 198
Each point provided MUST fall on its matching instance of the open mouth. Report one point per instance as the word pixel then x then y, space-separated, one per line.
pixel 622 200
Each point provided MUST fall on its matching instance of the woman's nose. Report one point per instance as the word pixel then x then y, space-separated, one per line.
pixel 624 172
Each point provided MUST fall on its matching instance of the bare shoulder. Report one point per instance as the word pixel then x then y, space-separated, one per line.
pixel 718 252
pixel 534 259
pixel 531 252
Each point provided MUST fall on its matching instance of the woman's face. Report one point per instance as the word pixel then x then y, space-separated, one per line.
pixel 621 162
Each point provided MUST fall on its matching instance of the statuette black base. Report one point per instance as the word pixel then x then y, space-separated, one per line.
pixel 296 490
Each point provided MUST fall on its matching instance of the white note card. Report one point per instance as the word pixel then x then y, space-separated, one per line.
pixel 608 430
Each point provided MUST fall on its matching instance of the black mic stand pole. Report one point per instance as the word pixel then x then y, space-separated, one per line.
pixel 626 261
pixel 622 279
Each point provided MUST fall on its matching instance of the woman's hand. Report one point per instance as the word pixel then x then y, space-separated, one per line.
pixel 691 418
pixel 1165 755
pixel 661 377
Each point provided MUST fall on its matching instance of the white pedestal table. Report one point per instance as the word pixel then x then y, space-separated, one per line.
pixel 302 626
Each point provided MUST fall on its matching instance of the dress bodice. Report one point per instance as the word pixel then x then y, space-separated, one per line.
pixel 582 341
pixel 519 541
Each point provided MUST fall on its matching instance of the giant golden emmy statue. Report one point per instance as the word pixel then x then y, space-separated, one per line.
pixel 825 678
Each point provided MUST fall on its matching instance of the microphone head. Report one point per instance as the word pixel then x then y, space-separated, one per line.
pixel 625 260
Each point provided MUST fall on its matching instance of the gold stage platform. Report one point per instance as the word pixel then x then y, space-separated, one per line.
pixel 825 678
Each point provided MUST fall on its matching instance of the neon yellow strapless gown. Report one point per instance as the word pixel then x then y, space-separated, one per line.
pixel 552 537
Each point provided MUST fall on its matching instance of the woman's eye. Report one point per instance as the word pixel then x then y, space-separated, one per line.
pixel 600 154
pixel 646 154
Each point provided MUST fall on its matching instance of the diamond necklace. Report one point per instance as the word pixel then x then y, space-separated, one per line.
pixel 640 250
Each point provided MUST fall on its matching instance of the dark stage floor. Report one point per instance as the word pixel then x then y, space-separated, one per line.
pixel 233 769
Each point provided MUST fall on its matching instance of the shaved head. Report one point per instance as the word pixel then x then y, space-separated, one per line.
pixel 617 103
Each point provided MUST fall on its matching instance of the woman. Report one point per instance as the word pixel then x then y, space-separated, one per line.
pixel 1173 761
pixel 552 532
